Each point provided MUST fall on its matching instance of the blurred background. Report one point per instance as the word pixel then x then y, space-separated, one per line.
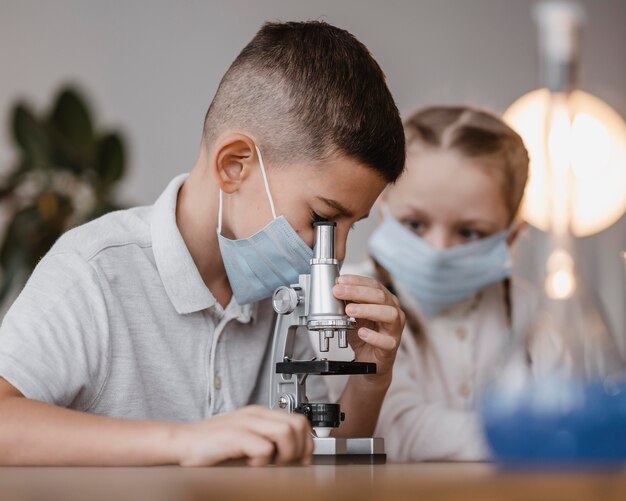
pixel 148 69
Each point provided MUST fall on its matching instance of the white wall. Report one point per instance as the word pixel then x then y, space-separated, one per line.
pixel 151 68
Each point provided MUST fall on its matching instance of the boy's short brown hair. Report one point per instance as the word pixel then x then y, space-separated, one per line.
pixel 308 91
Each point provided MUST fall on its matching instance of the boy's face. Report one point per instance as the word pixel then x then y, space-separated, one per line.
pixel 448 199
pixel 339 189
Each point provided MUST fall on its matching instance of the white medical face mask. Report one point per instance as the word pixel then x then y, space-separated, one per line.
pixel 256 266
pixel 437 279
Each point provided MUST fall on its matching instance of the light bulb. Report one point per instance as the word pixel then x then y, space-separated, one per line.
pixel 594 145
pixel 561 279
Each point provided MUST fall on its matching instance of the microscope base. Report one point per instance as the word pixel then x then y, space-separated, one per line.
pixel 349 451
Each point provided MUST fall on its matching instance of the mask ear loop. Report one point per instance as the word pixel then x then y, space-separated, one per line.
pixel 219 215
pixel 267 186
pixel 267 192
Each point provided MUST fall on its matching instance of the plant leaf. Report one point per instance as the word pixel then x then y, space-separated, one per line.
pixel 30 136
pixel 71 123
pixel 110 160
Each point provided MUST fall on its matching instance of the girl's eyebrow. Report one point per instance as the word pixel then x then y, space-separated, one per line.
pixel 417 211
pixel 475 222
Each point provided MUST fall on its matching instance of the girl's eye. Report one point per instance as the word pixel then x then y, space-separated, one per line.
pixel 415 226
pixel 469 234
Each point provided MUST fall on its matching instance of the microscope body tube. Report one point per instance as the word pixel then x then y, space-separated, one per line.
pixel 326 313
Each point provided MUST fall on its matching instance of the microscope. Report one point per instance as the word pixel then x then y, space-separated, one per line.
pixel 311 306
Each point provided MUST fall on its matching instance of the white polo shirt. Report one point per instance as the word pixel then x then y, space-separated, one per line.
pixel 116 320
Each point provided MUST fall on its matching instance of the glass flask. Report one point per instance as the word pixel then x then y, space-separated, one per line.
pixel 558 392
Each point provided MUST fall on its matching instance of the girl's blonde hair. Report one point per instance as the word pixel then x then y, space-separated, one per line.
pixel 475 134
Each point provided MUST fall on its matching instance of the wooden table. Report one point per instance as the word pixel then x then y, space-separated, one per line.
pixel 425 481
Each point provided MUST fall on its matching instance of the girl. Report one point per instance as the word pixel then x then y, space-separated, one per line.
pixel 443 247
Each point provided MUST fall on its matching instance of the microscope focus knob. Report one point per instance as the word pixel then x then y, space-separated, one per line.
pixel 285 300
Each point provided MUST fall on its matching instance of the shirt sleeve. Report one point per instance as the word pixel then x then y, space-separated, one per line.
pixel 418 430
pixel 54 338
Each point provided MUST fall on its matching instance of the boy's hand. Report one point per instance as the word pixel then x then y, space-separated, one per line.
pixel 258 434
pixel 380 322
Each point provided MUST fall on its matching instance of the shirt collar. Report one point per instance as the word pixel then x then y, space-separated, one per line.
pixel 242 313
pixel 179 274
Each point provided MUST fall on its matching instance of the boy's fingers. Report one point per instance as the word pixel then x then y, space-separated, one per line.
pixel 362 294
pixel 242 443
pixel 358 280
pixel 289 446
pixel 343 289
pixel 290 432
pixel 308 449
pixel 298 421
pixel 259 450
pixel 383 341
pixel 380 313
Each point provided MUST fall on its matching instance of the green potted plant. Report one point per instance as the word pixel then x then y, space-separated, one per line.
pixel 66 173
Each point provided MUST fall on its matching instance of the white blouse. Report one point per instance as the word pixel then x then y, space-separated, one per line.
pixel 429 412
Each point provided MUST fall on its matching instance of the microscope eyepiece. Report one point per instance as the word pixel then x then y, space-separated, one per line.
pixel 325 223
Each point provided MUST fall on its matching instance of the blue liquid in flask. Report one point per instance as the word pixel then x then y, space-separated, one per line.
pixel 557 422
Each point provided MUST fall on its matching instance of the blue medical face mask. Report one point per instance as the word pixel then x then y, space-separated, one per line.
pixel 256 266
pixel 437 279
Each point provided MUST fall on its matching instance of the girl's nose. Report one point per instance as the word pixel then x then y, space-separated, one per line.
pixel 438 238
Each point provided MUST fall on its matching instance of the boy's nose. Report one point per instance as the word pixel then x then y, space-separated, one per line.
pixel 341 238
pixel 340 249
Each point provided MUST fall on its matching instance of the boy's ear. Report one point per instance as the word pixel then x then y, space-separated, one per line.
pixel 518 227
pixel 234 157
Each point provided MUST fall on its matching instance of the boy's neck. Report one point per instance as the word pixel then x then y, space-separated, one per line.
pixel 196 217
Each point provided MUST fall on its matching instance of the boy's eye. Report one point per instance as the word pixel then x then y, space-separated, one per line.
pixel 316 218
pixel 470 234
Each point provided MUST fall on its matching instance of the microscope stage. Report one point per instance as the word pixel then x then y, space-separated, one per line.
pixel 325 367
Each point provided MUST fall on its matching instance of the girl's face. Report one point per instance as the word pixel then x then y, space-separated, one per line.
pixel 448 199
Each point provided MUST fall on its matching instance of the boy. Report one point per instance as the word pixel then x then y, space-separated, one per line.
pixel 139 327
